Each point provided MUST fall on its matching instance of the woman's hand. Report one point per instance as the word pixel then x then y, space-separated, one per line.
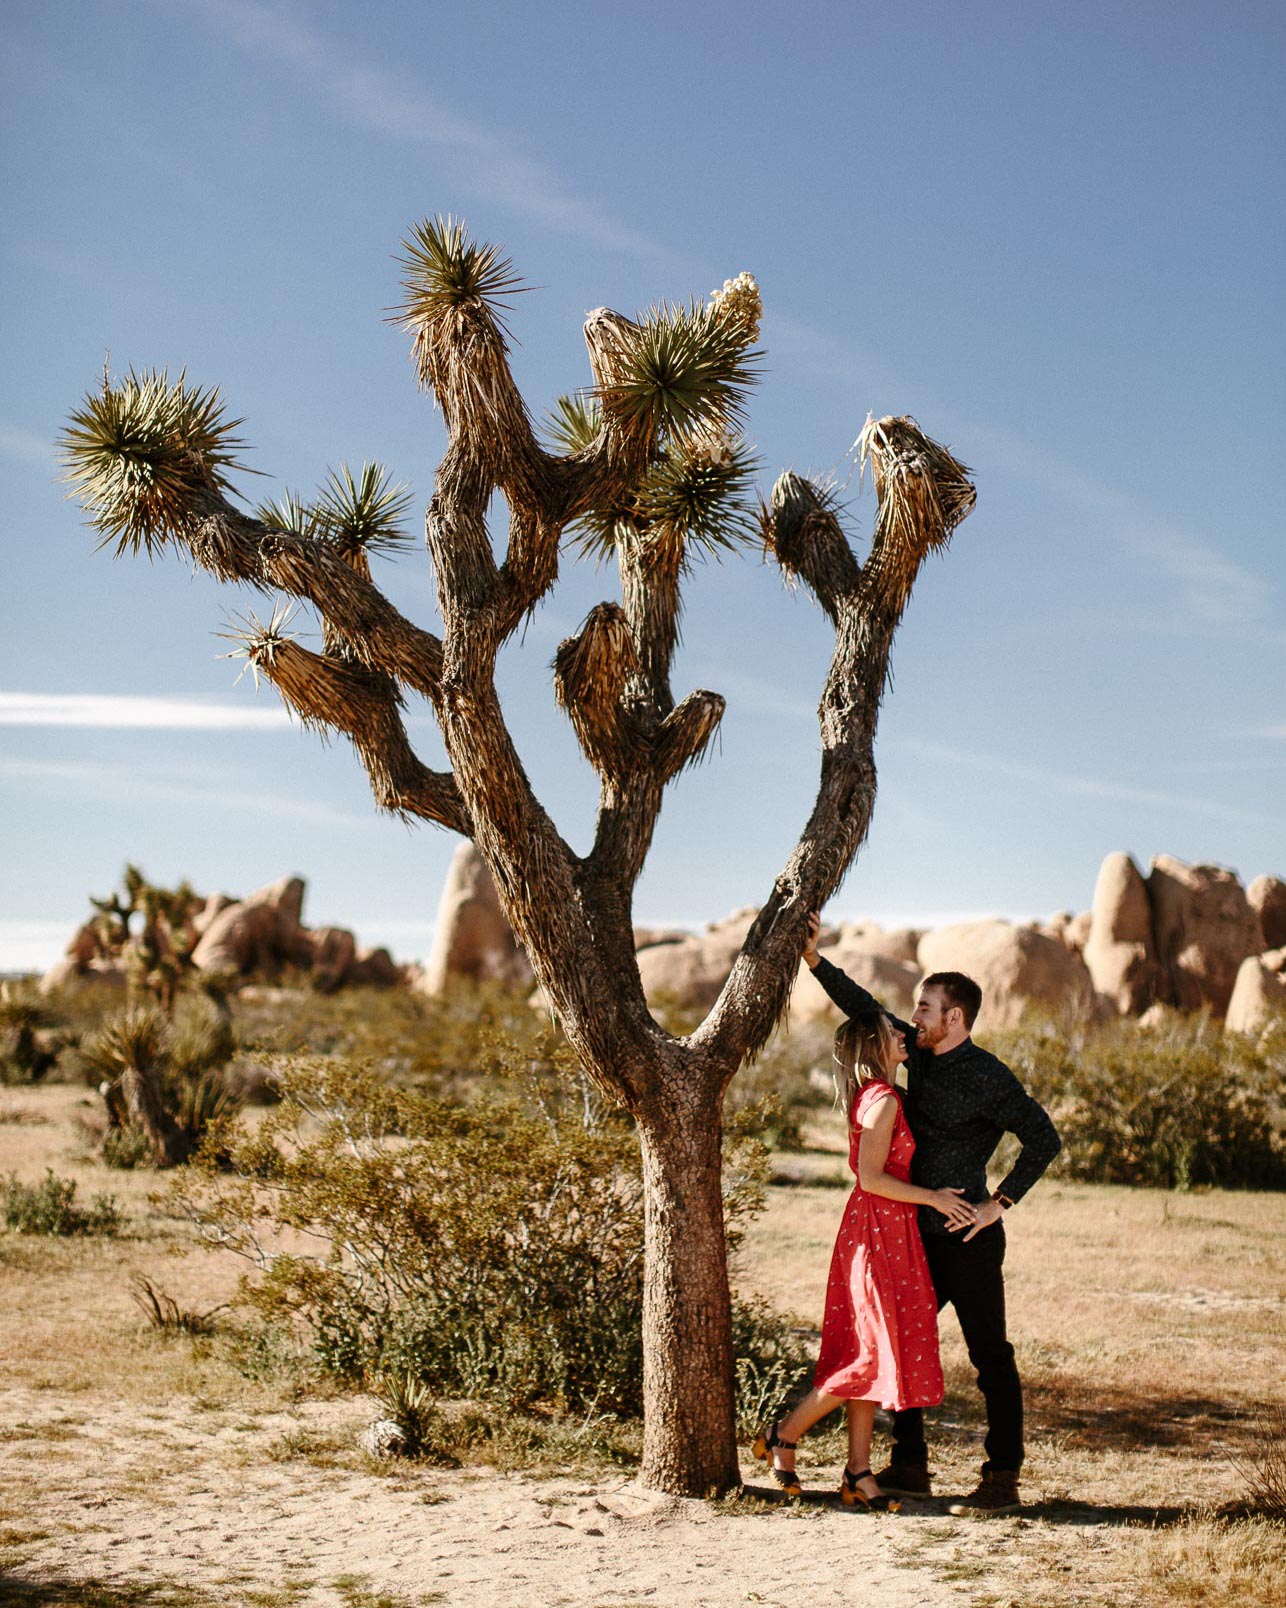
pixel 811 956
pixel 958 1213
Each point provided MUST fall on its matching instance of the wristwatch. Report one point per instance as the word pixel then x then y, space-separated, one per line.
pixel 1003 1201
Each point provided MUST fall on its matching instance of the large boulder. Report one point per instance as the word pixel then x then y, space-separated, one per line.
pixel 1204 928
pixel 893 982
pixel 1258 994
pixel 242 938
pixel 1266 896
pixel 1120 952
pixel 1016 967
pixel 84 947
pixel 333 951
pixel 375 968
pixel 259 933
pixel 689 974
pixel 472 938
pixel 869 938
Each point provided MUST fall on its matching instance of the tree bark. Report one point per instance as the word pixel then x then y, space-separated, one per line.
pixel 689 1428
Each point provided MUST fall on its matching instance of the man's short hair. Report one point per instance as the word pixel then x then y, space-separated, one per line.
pixel 957 989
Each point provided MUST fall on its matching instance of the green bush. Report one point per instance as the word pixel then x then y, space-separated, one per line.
pixel 49 1207
pixel 1173 1106
pixel 491 1250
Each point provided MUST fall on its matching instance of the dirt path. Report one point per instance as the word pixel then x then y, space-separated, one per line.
pixel 211 1501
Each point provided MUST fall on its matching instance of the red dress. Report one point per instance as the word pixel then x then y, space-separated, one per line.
pixel 880 1332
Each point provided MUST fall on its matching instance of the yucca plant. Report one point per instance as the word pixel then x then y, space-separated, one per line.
pixel 646 464
pixel 160 1085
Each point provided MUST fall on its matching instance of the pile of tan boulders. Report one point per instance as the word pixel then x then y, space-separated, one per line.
pixel 1184 936
pixel 254 938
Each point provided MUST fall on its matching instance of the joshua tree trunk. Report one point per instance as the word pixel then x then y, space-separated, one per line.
pixel 689 1436
pixel 141 1096
pixel 652 467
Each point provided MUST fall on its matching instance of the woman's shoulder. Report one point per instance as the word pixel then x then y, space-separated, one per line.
pixel 870 1094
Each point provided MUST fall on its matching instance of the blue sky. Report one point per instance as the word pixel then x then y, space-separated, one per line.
pixel 1052 233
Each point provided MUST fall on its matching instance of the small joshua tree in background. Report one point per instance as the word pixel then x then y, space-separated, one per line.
pixel 649 464
pixel 150 929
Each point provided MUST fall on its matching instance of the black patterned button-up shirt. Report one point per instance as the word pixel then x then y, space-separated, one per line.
pixel 959 1106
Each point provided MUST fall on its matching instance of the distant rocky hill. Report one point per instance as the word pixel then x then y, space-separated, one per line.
pixel 1184 937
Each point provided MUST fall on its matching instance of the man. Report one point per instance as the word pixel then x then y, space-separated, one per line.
pixel 960 1101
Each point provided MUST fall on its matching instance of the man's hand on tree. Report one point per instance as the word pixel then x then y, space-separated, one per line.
pixel 811 955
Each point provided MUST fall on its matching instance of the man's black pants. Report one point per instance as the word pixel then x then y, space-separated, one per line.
pixel 970 1278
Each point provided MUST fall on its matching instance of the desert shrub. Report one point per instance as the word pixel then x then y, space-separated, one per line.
pixel 781 1083
pixel 452 1046
pixel 49 1207
pixel 771 1356
pixel 1173 1106
pixel 175 1066
pixel 29 1046
pixel 490 1249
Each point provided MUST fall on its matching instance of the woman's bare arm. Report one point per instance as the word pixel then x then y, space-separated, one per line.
pixel 878 1122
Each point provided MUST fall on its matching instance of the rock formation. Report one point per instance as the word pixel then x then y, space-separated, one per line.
pixel 1259 992
pixel 254 937
pixel 1016 967
pixel 1204 928
pixel 472 938
pixel 1120 951
pixel 1267 898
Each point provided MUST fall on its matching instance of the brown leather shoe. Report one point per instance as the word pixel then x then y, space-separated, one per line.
pixel 905 1479
pixel 996 1493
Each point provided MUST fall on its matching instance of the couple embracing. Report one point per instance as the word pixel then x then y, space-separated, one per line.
pixel 906 1249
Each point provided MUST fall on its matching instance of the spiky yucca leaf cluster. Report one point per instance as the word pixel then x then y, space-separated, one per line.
pixel 574 422
pixel 697 493
pixel 924 492
pixel 359 516
pixel 259 641
pixel 693 499
pixel 683 373
pixel 140 453
pixel 456 291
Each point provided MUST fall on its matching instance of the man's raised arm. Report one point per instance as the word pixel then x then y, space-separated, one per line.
pixel 851 997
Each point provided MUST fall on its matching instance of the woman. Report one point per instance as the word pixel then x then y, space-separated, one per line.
pixel 880 1331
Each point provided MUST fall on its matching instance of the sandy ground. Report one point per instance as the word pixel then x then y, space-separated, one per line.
pixel 143 1499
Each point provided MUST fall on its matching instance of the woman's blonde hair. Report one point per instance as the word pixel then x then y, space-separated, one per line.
pixel 860 1055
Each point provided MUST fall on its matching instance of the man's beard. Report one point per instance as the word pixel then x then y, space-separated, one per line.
pixel 928 1037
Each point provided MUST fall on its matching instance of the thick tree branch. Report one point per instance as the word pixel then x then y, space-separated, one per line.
pixel 333 694
pixel 866 605
pixel 357 614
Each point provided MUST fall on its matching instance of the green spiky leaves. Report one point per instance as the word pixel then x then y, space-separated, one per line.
pixel 456 296
pixel 683 372
pixel 694 498
pixel 141 456
pixel 574 422
pixel 359 515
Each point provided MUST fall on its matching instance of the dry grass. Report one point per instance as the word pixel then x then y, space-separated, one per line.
pixel 1148 1329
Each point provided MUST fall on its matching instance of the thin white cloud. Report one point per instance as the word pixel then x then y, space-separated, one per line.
pixel 122 710
pixel 98 782
pixel 391 104
pixel 1067 784
pixel 24 446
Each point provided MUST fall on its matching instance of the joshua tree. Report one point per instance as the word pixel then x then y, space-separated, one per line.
pixel 649 463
